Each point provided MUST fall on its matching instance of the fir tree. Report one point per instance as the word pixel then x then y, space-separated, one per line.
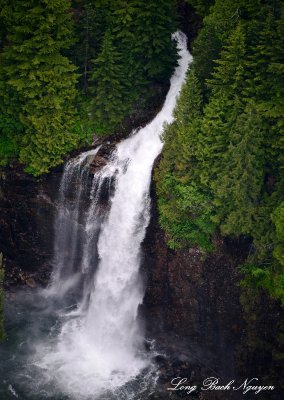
pixel 222 165
pixel 37 81
pixel 92 16
pixel 154 24
pixel 124 28
pixel 109 104
pixel 278 220
pixel 202 6
pixel 188 115
pixel 139 36
pixel 185 206
pixel 228 75
pixel 237 189
pixel 218 25
pixel 266 78
pixel 190 102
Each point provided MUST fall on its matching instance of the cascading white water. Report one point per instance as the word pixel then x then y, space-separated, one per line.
pixel 100 347
pixel 68 224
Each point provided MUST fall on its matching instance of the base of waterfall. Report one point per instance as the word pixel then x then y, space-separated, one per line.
pixel 38 362
pixel 74 358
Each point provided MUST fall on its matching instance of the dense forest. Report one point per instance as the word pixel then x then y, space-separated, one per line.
pixel 69 70
pixel 72 69
pixel 222 165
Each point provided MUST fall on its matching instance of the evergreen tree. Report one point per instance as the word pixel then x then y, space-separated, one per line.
pixel 188 115
pixel 138 48
pixel 91 21
pixel 109 104
pixel 124 28
pixel 202 6
pixel 154 22
pixel 228 75
pixel 222 165
pixel 190 102
pixel 213 139
pixel 237 189
pixel 37 82
pixel 181 136
pixel 10 138
pixel 184 205
pixel 218 26
pixel 278 220
pixel 266 78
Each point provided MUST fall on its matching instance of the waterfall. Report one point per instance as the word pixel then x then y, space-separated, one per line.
pixel 100 344
pixel 69 224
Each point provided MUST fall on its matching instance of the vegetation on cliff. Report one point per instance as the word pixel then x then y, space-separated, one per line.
pixel 72 69
pixel 222 166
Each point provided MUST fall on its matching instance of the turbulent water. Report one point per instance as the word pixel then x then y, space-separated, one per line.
pixel 97 347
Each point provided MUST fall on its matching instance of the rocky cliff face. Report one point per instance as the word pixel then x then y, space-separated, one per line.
pixel 27 209
pixel 197 311
pixel 192 301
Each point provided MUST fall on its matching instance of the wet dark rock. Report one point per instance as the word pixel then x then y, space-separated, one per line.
pixel 193 309
pixel 103 155
pixel 30 282
pixel 161 360
pixel 27 209
pixel 97 163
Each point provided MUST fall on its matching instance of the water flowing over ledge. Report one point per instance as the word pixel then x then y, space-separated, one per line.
pixel 99 346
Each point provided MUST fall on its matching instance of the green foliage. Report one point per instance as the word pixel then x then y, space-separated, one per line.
pixel 270 278
pixel 136 51
pixel 151 44
pixel 109 103
pixel 278 220
pixel 2 332
pixel 10 131
pixel 218 25
pixel 82 125
pixel 222 166
pixel 228 74
pixel 37 82
pixel 185 215
pixel 185 205
pixel 202 6
pixel 237 188
pixel 89 31
pixel 69 70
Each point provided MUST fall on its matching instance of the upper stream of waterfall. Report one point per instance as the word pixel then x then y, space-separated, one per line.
pixel 93 345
